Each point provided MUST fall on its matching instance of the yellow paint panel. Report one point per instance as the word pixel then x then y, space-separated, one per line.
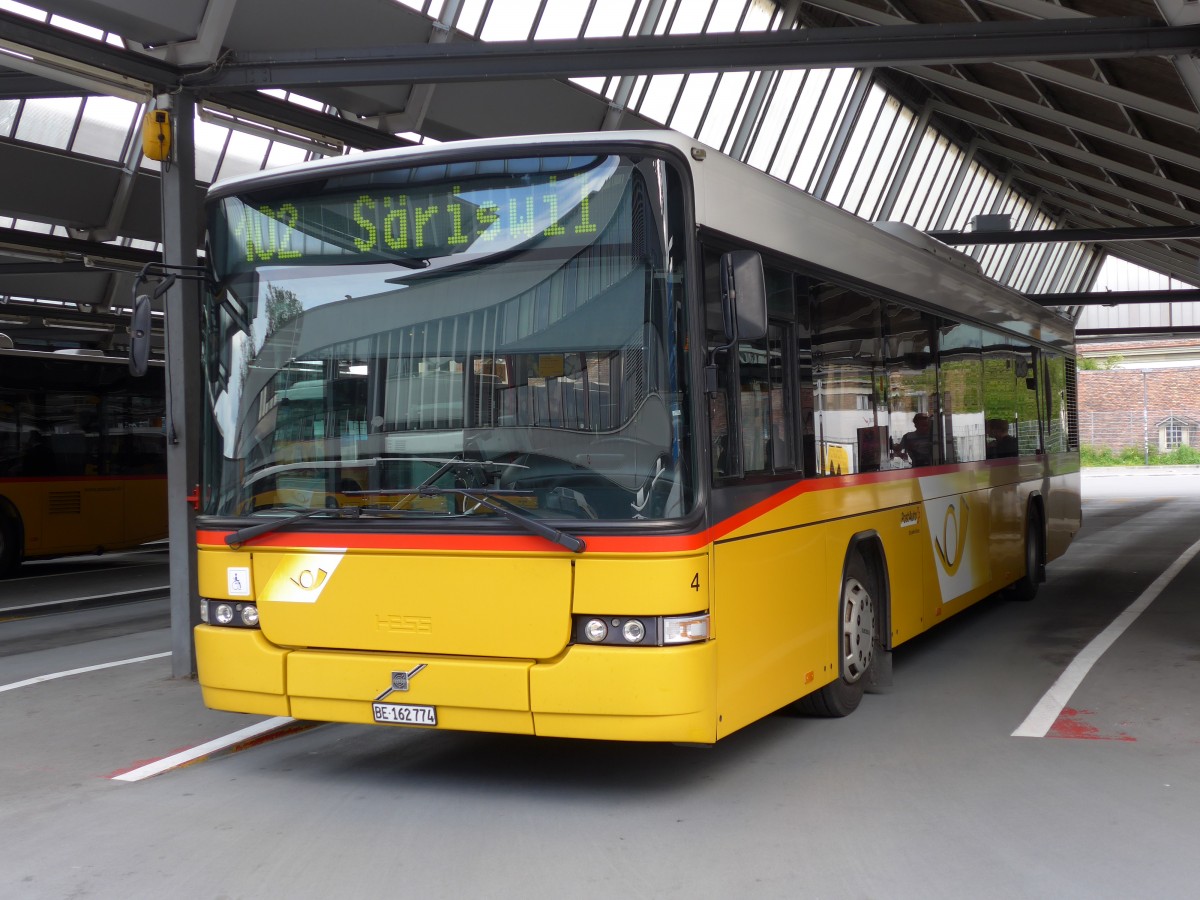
pixel 444 681
pixel 772 619
pixel 238 659
pixel 490 607
pixel 212 572
pixel 692 728
pixel 641 586
pixel 620 681
pixel 469 694
pixel 245 701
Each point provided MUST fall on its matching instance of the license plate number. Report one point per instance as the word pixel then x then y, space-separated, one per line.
pixel 404 714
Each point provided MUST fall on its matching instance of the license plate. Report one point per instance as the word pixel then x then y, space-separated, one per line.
pixel 404 714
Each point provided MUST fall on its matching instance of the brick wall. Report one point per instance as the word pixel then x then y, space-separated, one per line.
pixel 1120 408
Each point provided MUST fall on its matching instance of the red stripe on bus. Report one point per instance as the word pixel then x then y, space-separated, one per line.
pixel 600 543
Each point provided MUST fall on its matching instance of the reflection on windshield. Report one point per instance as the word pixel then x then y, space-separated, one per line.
pixel 546 373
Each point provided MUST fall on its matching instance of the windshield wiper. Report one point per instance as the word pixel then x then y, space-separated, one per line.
pixel 252 531
pixel 510 512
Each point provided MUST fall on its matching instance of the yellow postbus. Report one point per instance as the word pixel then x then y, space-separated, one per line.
pixel 602 436
pixel 82 455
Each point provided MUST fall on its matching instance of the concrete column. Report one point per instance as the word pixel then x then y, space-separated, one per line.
pixel 181 238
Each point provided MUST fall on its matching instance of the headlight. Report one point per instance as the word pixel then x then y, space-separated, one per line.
pixel 228 613
pixel 633 631
pixel 595 630
pixel 640 631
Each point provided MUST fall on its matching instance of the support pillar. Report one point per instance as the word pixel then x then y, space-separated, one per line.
pixel 181 238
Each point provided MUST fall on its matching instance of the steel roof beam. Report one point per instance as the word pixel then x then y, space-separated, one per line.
pixel 1107 165
pixel 1116 298
pixel 1077 235
pixel 848 46
pixel 40 40
pixel 1066 120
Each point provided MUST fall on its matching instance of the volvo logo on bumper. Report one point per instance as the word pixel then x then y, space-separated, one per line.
pixel 400 681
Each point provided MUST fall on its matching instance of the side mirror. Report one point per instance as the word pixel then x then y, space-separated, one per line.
pixel 743 296
pixel 139 336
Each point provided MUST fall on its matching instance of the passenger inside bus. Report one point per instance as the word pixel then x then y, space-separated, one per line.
pixel 917 445
pixel 999 441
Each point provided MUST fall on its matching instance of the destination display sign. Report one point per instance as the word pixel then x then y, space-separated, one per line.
pixel 408 224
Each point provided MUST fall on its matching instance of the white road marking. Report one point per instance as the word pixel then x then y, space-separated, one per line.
pixel 1050 707
pixel 39 679
pixel 162 589
pixel 176 760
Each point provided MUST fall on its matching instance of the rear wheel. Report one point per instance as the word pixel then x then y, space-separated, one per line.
pixel 1026 587
pixel 10 548
pixel 858 636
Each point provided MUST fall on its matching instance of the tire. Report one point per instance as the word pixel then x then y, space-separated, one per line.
pixel 1025 588
pixel 10 547
pixel 858 643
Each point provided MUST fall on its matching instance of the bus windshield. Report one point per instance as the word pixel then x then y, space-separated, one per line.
pixel 389 338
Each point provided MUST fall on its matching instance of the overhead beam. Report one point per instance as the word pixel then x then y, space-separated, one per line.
pixel 1057 117
pixel 61 48
pixel 1158 331
pixel 65 48
pixel 1116 298
pixel 849 46
pixel 1069 235
pixel 1071 152
pixel 1075 179
pixel 16 240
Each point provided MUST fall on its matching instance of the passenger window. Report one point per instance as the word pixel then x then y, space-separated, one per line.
pixel 848 380
pixel 755 399
pixel 960 357
pixel 912 407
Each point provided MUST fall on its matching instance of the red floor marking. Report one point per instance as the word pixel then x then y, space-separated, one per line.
pixel 1070 725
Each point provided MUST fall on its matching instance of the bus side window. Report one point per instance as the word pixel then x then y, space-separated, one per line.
pixel 752 419
pixel 847 358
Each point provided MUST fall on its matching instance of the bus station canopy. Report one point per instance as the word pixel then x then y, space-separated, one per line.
pixel 988 123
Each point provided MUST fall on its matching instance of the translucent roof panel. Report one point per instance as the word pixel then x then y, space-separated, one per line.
pixel 105 127
pixel 834 132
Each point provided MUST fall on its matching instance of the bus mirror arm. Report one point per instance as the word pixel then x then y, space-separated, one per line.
pixel 140 319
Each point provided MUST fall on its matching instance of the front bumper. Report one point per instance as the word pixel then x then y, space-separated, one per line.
pixel 610 693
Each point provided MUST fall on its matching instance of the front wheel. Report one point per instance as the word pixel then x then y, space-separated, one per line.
pixel 858 635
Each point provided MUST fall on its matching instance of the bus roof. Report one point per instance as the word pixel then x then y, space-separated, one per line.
pixel 754 207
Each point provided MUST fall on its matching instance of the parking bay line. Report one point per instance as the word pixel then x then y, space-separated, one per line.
pixel 1050 707
pixel 208 748
pixel 51 677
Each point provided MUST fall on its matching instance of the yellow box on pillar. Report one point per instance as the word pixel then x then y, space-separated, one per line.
pixel 156 134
